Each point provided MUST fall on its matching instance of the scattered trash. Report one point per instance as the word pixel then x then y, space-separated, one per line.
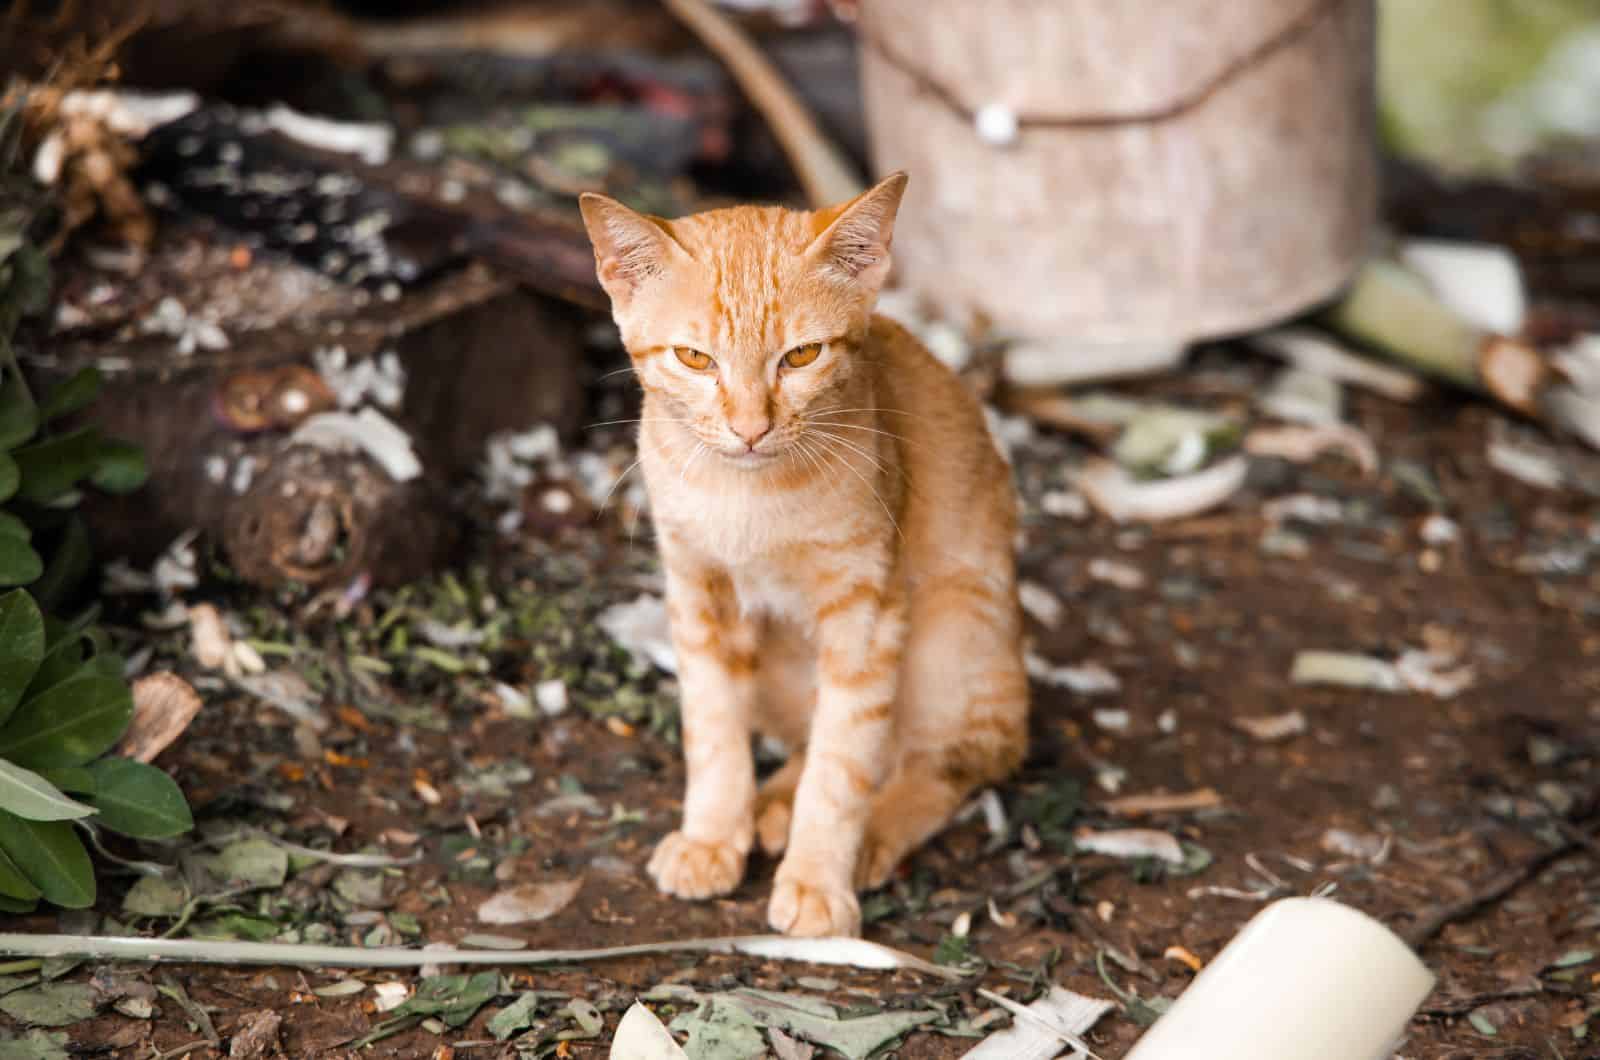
pixel 1041 603
pixel 1342 668
pixel 1131 843
pixel 1312 351
pixel 641 627
pixel 1184 802
pixel 640 1036
pixel 1060 1016
pixel 1115 572
pixel 1274 727
pixel 1117 494
pixel 368 431
pixel 1086 679
pixel 1302 444
pixel 369 141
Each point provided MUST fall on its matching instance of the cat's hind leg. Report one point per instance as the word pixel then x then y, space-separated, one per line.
pixel 775 805
pixel 963 708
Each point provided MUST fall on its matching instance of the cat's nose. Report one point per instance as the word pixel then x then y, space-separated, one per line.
pixel 751 429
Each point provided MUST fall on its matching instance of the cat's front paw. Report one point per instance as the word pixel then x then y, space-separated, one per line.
pixel 693 868
pixel 813 910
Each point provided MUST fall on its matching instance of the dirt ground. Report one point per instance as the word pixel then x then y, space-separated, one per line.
pixel 1398 800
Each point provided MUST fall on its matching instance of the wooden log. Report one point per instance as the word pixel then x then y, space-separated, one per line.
pixel 478 355
pixel 1137 174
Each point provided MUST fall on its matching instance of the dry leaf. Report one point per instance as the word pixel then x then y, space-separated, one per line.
pixel 163 706
pixel 529 902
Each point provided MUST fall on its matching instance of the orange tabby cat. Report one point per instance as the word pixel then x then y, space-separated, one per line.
pixel 836 528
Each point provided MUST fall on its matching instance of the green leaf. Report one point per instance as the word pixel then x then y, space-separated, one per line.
pixel 155 896
pixel 69 562
pixel 75 779
pixel 30 796
pixel 18 417
pixel 10 476
pixel 52 467
pixel 28 287
pixel 121 467
pixel 139 800
pixel 73 394
pixel 68 725
pixel 21 646
pixel 13 884
pixel 38 1045
pixel 51 855
pixel 19 563
pixel 19 907
pixel 63 658
pixel 51 1004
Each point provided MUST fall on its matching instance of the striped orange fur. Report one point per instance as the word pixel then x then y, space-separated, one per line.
pixel 836 529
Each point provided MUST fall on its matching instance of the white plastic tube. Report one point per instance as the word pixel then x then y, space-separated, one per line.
pixel 1308 979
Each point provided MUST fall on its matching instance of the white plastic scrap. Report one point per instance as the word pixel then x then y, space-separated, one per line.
pixel 1119 495
pixel 369 141
pixel 1436 674
pixel 551 695
pixel 997 124
pixel 1525 464
pixel 380 379
pixel 1130 843
pixel 1301 396
pixel 368 431
pixel 640 1036
pixel 1086 679
pixel 1481 282
pixel 1315 352
pixel 641 627
pixel 511 458
pixel 1041 603
pixel 192 333
pixel 1059 1017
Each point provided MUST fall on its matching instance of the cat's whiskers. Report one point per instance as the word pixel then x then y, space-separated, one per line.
pixel 645 419
pixel 844 459
pixel 873 458
pixel 615 483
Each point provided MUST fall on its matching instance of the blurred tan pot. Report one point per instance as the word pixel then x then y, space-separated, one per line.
pixel 1117 178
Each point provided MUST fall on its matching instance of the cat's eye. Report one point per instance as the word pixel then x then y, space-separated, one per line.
pixel 801 356
pixel 693 358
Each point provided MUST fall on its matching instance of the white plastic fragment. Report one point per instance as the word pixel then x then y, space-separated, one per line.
pixel 551 695
pixel 1302 443
pixel 1301 396
pixel 368 431
pixel 369 141
pixel 1480 281
pixel 1307 978
pixel 1346 669
pixel 1434 674
pixel 1041 603
pixel 997 124
pixel 640 1036
pixel 1040 1030
pixel 1526 465
pixel 1130 843
pixel 1115 572
pixel 1315 352
pixel 1063 504
pixel 1273 727
pixel 1116 493
pixel 640 626
pixel 390 995
pixel 1086 679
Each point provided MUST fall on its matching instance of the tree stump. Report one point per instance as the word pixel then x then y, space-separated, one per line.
pixel 1087 173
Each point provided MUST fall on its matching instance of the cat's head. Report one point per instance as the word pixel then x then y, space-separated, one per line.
pixel 745 320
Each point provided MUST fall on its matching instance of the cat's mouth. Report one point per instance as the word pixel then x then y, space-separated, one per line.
pixel 749 459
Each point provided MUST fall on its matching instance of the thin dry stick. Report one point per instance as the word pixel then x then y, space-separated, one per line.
pixel 823 171
pixel 1433 920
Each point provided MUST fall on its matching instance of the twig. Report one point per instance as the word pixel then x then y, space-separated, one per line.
pixel 855 953
pixel 1433 920
pixel 823 172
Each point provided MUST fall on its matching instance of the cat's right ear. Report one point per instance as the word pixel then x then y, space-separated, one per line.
pixel 629 247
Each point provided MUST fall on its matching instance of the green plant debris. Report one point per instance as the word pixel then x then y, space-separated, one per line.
pixel 35 1045
pixel 50 1004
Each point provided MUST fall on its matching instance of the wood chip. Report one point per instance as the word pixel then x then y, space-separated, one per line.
pixel 1184 802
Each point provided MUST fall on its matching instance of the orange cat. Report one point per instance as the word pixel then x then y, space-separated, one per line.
pixel 836 527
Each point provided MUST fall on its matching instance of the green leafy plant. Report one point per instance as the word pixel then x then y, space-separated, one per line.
pixel 63 700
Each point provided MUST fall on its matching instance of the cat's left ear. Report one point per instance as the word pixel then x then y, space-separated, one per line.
pixel 853 238
pixel 629 247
